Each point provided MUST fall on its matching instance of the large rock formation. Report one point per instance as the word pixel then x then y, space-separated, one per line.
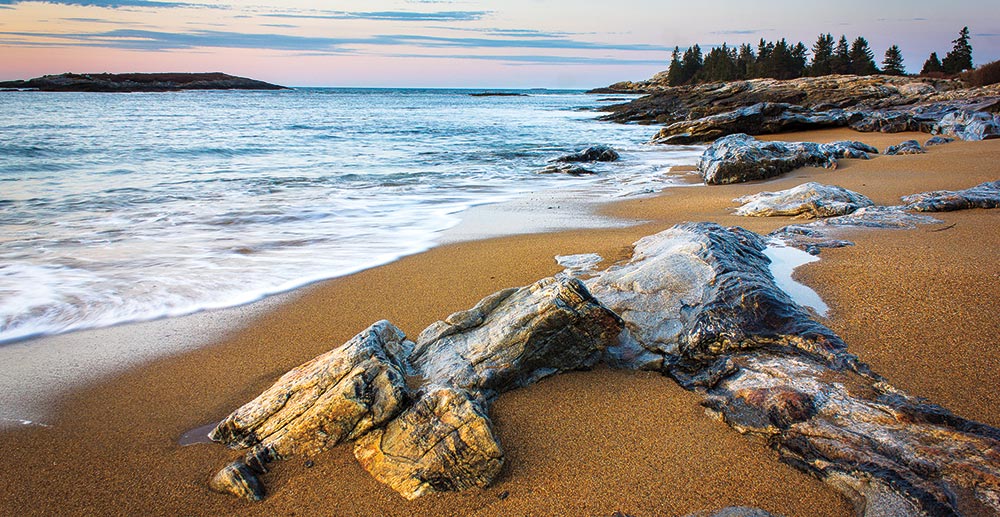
pixel 666 105
pixel 696 302
pixel 163 82
pixel 739 158
pixel 766 368
pixel 705 112
pixel 442 440
pixel 985 195
pixel 806 201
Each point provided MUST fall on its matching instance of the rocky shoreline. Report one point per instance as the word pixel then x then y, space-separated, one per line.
pixel 131 83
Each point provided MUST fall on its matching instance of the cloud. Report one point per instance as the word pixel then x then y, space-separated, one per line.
pixel 543 60
pixel 107 4
pixel 740 32
pixel 134 39
pixel 405 16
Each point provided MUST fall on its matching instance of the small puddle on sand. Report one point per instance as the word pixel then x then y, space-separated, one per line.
pixel 197 435
pixel 784 260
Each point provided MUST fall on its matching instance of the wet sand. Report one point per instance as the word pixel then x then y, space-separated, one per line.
pixel 919 305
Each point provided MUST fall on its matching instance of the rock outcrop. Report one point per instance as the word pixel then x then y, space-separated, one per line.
pixel 337 396
pixel 805 201
pixel 163 82
pixel 597 153
pixel 760 119
pixel 765 368
pixel 907 147
pixel 696 302
pixel 938 140
pixel 667 105
pixel 739 158
pixel 438 436
pixel 985 195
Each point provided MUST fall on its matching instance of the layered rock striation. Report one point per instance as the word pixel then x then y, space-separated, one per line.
pixel 740 157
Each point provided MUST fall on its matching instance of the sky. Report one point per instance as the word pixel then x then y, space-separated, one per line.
pixel 453 43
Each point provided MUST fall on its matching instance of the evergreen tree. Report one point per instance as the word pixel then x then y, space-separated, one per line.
pixel 862 58
pixel 745 62
pixel 822 56
pixel 765 62
pixel 932 65
pixel 800 55
pixel 676 70
pixel 893 62
pixel 691 63
pixel 720 64
pixel 960 57
pixel 841 61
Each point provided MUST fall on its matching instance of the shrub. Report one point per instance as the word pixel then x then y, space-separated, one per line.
pixel 983 75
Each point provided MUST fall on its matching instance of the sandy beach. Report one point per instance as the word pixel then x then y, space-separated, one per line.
pixel 918 305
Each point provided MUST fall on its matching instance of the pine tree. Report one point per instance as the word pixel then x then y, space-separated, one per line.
pixel 691 63
pixel 893 62
pixel 841 61
pixel 745 62
pixel 800 56
pixel 822 56
pixel 862 58
pixel 960 57
pixel 720 64
pixel 932 65
pixel 676 70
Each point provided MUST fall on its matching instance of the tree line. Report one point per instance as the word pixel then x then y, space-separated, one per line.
pixel 783 60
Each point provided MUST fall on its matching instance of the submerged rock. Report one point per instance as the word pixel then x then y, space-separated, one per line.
pixel 765 368
pixel 985 195
pixel 444 442
pixel 566 168
pixel 907 147
pixel 739 158
pixel 597 153
pixel 806 201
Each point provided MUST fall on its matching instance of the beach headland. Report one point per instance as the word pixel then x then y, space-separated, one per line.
pixel 582 443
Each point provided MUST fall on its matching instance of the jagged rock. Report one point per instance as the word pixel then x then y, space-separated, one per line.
pixel 339 395
pixel 938 140
pixel 444 442
pixel 516 337
pixel 597 153
pixel 238 479
pixel 807 201
pixel 739 158
pixel 907 147
pixel 985 195
pixel 969 125
pixel 764 367
pixel 759 119
pixel 566 168
pixel 667 105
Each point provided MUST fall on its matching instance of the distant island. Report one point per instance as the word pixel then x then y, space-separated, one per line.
pixel 124 83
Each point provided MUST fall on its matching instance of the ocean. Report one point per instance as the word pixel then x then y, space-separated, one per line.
pixel 130 207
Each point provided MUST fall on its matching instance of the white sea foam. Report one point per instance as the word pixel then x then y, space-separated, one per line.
pixel 217 199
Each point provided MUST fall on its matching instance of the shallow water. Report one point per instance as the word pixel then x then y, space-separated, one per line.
pixel 124 207
pixel 784 260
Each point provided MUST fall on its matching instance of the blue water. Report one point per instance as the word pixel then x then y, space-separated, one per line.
pixel 121 207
